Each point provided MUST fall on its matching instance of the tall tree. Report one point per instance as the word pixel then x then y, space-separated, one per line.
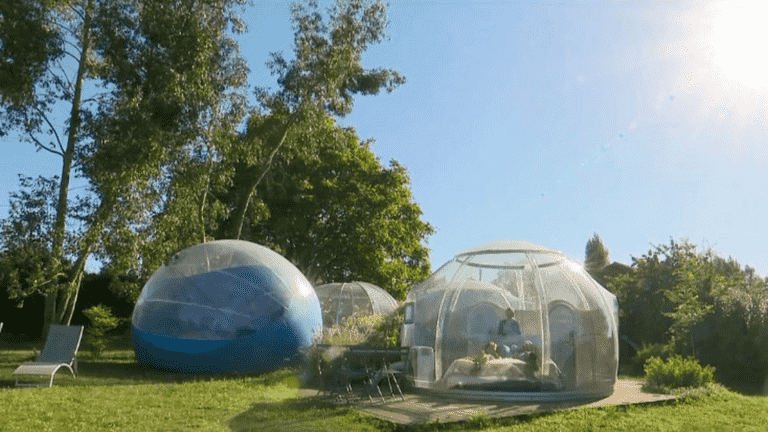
pixel 322 78
pixel 294 180
pixel 596 255
pixel 139 80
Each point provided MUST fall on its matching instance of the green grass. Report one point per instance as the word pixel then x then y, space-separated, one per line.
pixel 114 393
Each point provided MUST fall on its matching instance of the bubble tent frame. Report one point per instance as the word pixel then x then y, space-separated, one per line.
pixel 225 306
pixel 339 300
pixel 566 318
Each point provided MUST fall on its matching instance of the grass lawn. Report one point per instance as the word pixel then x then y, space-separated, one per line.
pixel 115 393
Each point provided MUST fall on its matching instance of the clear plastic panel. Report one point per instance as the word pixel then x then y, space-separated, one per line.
pixel 340 300
pixel 562 287
pixel 381 301
pixel 425 312
pixel 218 288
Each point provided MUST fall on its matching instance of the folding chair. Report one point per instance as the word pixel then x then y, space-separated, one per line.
pixel 391 370
pixel 59 352
pixel 356 368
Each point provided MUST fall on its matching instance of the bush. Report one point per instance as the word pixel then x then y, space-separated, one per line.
pixel 387 332
pixel 356 329
pixel 676 372
pixel 102 321
pixel 661 351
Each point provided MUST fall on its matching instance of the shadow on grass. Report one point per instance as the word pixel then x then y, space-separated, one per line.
pixel 317 414
pixel 305 414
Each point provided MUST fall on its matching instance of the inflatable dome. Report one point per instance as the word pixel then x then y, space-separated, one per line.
pixel 340 300
pixel 225 306
pixel 511 320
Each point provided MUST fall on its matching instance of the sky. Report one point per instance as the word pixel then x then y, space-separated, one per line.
pixel 549 122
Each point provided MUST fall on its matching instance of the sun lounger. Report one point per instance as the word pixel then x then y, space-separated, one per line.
pixel 59 352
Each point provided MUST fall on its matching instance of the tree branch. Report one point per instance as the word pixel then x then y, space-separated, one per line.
pixel 261 176
pixel 77 12
pixel 75 47
pixel 53 129
pixel 43 147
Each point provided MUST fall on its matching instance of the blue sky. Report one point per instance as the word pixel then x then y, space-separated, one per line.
pixel 640 121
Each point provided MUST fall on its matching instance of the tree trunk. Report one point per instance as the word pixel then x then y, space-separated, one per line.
pixel 53 297
pixel 240 216
pixel 89 239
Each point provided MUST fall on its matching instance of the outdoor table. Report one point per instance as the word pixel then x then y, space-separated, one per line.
pixel 368 364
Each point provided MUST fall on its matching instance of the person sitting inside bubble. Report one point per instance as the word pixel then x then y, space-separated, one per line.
pixel 509 333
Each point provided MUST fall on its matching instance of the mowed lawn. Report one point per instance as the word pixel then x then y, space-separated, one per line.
pixel 115 393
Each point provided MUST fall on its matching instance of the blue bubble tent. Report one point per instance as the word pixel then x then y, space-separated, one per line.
pixel 225 306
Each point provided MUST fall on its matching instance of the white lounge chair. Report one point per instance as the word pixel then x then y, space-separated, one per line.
pixel 59 352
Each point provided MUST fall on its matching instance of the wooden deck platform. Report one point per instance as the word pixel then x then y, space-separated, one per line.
pixel 423 408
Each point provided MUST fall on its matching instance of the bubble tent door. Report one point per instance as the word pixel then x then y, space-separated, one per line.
pixel 563 343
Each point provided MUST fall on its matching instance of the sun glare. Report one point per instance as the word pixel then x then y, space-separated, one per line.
pixel 739 36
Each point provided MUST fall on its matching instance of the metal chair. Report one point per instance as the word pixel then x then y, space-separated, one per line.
pixel 392 361
pixel 357 368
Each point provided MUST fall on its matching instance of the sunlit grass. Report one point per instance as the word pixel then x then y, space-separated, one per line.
pixel 114 393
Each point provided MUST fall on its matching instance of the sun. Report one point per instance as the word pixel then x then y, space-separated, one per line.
pixel 739 36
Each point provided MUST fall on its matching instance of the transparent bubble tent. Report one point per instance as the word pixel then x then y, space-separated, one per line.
pixel 225 306
pixel 511 320
pixel 340 300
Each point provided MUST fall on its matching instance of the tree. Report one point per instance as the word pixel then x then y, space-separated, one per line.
pixel 27 44
pixel 339 215
pixel 158 74
pixel 24 243
pixel 643 306
pixel 596 255
pixel 296 181
pixel 320 80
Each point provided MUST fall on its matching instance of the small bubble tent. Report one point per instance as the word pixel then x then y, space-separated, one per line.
pixel 226 306
pixel 511 320
pixel 340 300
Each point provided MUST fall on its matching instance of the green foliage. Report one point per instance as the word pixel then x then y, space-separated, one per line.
pixel 150 83
pixel 318 83
pixel 387 332
pixel 27 45
pixel 328 205
pixel 596 254
pixel 676 372
pixel 326 70
pixel 661 351
pixel 339 215
pixel 310 189
pixel 670 292
pixel 700 305
pixel 479 421
pixel 356 329
pixel 102 322
pixel 374 330
pixel 25 243
pixel 737 340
